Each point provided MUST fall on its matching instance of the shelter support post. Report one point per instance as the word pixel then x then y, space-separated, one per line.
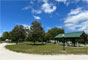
pixel 77 42
pixel 74 42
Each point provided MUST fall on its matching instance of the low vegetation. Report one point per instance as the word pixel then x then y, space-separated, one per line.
pixel 46 49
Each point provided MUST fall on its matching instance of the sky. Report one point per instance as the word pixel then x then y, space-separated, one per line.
pixel 70 15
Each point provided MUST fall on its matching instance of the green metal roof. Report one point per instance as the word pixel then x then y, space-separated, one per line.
pixel 70 35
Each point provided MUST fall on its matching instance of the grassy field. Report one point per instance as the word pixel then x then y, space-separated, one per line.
pixel 46 49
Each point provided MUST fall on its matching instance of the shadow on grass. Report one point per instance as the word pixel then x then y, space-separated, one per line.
pixel 36 44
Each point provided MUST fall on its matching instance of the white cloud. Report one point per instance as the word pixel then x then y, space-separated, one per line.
pixel 83 16
pixel 37 17
pixel 75 11
pixel 26 26
pixel 67 2
pixel 84 26
pixel 61 1
pixel 45 7
pixel 64 1
pixel 26 8
pixel 36 11
pixel 45 1
pixel 59 27
pixel 48 8
pixel 77 20
pixel 85 1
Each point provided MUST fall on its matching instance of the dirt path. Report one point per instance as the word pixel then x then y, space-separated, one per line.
pixel 9 55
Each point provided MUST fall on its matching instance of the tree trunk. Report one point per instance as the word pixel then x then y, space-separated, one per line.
pixel 74 43
pixel 34 42
pixel 17 41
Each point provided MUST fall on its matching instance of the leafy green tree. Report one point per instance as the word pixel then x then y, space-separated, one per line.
pixel 36 32
pixel 6 35
pixel 18 34
pixel 50 35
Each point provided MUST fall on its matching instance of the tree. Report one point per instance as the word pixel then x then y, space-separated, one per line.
pixel 36 32
pixel 5 35
pixel 50 35
pixel 18 34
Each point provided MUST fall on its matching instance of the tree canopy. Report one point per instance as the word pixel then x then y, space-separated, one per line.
pixel 18 33
pixel 36 32
pixel 50 35
pixel 5 35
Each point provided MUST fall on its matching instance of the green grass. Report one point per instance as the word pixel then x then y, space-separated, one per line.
pixel 46 49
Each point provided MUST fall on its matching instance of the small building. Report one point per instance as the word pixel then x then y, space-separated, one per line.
pixel 74 37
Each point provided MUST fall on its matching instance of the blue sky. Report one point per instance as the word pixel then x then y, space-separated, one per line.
pixel 71 15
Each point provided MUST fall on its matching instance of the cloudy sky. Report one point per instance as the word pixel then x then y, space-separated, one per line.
pixel 71 15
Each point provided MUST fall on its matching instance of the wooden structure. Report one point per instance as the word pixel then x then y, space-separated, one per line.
pixel 75 37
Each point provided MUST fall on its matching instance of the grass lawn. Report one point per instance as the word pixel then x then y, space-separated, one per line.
pixel 46 49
